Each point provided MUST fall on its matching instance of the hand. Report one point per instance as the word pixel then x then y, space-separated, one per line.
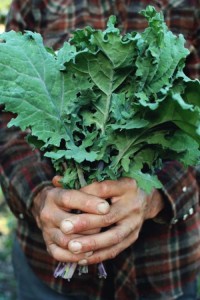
pixel 52 206
pixel 129 209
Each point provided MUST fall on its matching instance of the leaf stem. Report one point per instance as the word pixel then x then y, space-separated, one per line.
pixel 81 178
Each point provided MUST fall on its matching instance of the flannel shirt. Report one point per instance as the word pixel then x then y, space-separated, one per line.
pixel 166 255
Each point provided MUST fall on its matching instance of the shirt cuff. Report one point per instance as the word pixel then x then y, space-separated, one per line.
pixel 180 192
pixel 23 188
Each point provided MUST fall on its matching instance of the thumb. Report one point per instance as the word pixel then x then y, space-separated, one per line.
pixel 57 181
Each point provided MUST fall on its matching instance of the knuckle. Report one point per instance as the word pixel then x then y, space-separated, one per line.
pixel 91 245
pixel 128 183
pixel 51 249
pixel 109 219
pixel 60 240
pixel 118 237
pixel 38 222
pixel 45 215
pixel 130 228
pixel 66 197
pixel 49 194
pixel 88 204
pixel 113 253
pixel 55 253
pixel 96 259
pixel 74 257
pixel 136 235
pixel 83 221
pixel 96 186
pixel 105 187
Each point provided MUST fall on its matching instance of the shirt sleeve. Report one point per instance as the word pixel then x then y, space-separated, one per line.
pixel 181 190
pixel 23 171
pixel 24 15
pixel 192 68
pixel 51 20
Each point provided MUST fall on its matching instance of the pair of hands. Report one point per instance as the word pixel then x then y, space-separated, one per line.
pixel 79 238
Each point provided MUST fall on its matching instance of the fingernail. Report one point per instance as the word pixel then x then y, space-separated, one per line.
pixel 82 262
pixel 87 254
pixel 103 207
pixel 66 226
pixel 75 246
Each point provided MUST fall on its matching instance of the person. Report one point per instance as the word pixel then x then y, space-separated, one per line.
pixel 151 248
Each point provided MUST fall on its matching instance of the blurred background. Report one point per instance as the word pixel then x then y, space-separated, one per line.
pixel 7 220
pixel 7 227
pixel 4 5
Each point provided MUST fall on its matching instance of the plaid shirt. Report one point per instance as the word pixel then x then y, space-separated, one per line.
pixel 165 256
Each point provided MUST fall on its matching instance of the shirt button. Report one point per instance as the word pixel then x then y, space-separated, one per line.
pixel 191 211
pixel 174 221
pixel 21 216
pixel 184 189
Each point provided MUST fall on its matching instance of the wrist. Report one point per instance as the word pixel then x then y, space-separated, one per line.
pixel 155 204
pixel 38 204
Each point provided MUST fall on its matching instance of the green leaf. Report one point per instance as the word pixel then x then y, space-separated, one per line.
pixel 106 104
pixel 32 87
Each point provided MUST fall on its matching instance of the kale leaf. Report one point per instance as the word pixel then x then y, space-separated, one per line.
pixel 107 105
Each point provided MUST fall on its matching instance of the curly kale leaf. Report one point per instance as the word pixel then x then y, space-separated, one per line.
pixel 107 104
